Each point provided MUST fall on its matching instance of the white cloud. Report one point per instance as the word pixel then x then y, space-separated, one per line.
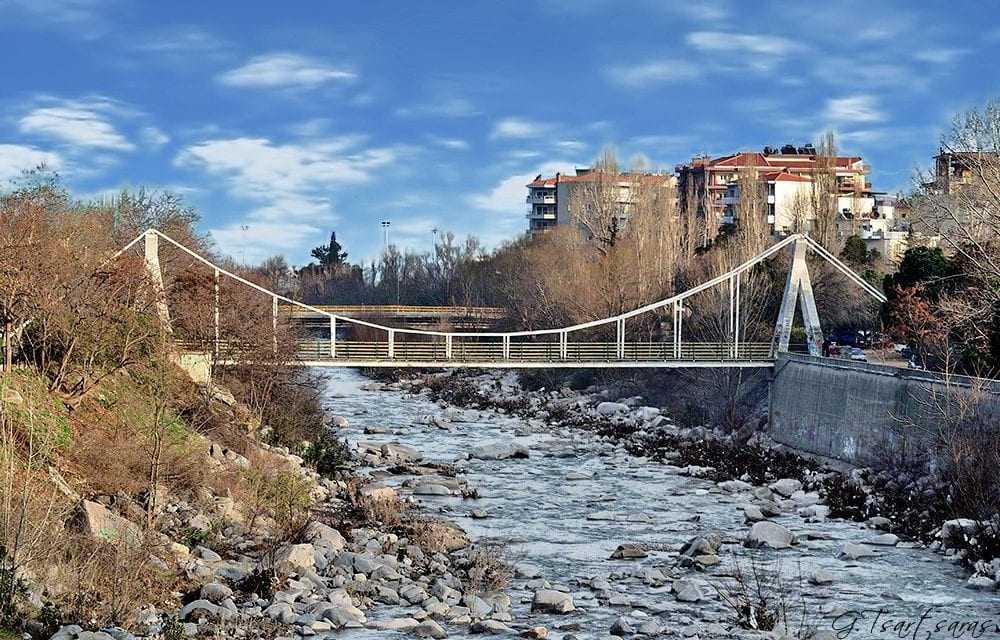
pixel 15 158
pixel 154 137
pixel 81 18
pixel 79 123
pixel 752 44
pixel 288 184
pixel 570 146
pixel 654 72
pixel 518 128
pixel 454 144
pixel 284 70
pixel 940 56
pixel 858 108
pixel 508 195
pixel 180 40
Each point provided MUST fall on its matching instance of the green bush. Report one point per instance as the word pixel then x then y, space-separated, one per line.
pixel 328 455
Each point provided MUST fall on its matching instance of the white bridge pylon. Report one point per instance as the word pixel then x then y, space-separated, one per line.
pixel 522 349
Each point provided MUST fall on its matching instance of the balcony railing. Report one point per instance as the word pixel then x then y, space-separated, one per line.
pixel 531 199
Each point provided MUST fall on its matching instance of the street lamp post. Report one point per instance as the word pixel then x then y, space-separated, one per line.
pixel 385 234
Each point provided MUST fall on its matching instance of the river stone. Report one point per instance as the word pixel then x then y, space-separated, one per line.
pixel 342 616
pixel 499 451
pixel 535 633
pixel 431 489
pixel 785 487
pixel 216 592
pixel 622 628
pixel 550 601
pixel 884 540
pixel 396 624
pixel 769 534
pixel 980 583
pixel 687 590
pixel 325 536
pixel 629 551
pixel 769 508
pixel 339 421
pixel 851 551
pixel 489 626
pixel 294 558
pixel 429 629
pixel 735 486
pixel 611 408
pixel 400 452
pixel 821 577
pixel 752 513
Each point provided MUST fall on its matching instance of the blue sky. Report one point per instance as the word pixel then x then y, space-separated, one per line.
pixel 294 118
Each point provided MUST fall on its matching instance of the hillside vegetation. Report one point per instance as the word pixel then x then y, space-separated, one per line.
pixel 116 470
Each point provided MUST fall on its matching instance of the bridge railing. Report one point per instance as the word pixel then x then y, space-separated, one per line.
pixel 357 351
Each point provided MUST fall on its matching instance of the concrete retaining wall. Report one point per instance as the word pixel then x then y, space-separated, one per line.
pixel 858 412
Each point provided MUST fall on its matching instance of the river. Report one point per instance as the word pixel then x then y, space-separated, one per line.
pixel 540 507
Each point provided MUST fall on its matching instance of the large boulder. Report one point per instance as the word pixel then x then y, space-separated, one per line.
pixel 612 408
pixel 97 521
pixel 325 537
pixel 295 558
pixel 551 601
pixel 785 487
pixel 396 452
pixel 851 551
pixel 769 534
pixel 429 629
pixel 687 590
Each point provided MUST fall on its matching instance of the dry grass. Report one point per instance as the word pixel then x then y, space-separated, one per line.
pixel 489 569
pixel 105 583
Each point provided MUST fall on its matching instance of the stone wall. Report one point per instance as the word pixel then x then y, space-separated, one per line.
pixel 863 413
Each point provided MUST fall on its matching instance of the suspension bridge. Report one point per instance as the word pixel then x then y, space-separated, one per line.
pixel 338 342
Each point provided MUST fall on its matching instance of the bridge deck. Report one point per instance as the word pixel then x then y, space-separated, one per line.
pixel 346 353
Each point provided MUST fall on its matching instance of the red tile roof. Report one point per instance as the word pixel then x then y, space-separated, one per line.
pixel 784 176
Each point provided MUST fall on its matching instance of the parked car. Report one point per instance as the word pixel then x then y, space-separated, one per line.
pixel 857 355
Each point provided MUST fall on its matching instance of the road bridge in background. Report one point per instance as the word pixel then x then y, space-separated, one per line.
pixel 404 316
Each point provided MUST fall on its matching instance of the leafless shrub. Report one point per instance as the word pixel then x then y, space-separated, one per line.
pixel 761 598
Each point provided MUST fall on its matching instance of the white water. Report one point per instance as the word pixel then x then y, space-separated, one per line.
pixel 543 517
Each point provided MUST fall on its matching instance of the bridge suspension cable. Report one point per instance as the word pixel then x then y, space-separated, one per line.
pixel 455 350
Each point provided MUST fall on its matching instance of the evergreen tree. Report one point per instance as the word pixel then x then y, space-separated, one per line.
pixel 330 254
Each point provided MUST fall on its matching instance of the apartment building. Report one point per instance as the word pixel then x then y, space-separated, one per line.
pixel 709 187
pixel 551 199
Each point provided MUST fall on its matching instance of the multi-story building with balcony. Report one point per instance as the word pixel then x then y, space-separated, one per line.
pixel 551 200
pixel 709 187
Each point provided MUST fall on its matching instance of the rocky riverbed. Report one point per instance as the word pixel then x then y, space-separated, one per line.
pixel 600 542
pixel 608 543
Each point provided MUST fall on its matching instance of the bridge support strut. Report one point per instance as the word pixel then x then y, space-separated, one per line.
pixel 798 288
pixel 152 255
